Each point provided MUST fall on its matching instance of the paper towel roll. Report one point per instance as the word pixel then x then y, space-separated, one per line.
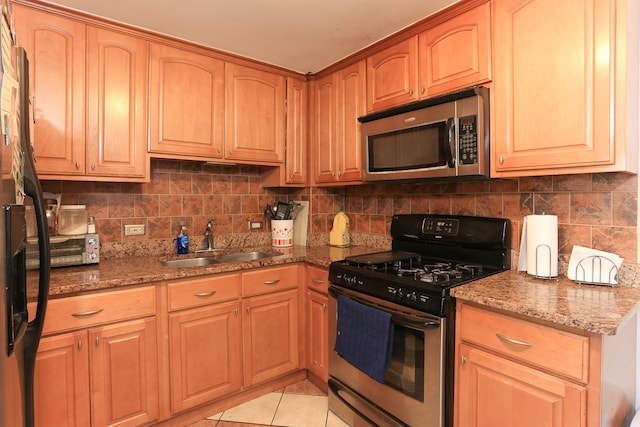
pixel 542 245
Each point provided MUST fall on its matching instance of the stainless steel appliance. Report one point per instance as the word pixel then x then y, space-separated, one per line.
pixel 19 336
pixel 410 284
pixel 66 251
pixel 440 137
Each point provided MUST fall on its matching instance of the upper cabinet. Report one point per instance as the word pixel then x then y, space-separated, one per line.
pixel 452 55
pixel 255 119
pixel 116 104
pixel 295 171
pixel 56 50
pixel 338 101
pixel 186 106
pixel 85 131
pixel 561 102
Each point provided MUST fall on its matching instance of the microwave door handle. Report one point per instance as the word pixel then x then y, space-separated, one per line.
pixel 451 139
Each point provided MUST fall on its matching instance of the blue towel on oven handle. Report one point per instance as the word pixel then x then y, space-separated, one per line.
pixel 364 337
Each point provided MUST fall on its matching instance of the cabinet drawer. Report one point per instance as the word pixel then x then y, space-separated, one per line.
pixel 105 307
pixel 318 279
pixel 269 280
pixel 559 351
pixel 202 291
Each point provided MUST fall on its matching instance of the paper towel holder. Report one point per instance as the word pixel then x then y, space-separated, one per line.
pixel 597 259
pixel 550 254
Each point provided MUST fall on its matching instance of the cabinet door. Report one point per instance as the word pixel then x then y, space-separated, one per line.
pixel 553 86
pixel 56 50
pixel 495 392
pixel 318 335
pixel 270 334
pixel 124 373
pixel 296 169
pixel 325 128
pixel 457 53
pixel 351 105
pixel 255 115
pixel 204 348
pixel 116 104
pixel 186 104
pixel 392 76
pixel 61 382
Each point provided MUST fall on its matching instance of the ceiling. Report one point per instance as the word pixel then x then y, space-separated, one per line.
pixel 300 35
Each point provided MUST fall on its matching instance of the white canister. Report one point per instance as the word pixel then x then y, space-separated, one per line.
pixel 282 232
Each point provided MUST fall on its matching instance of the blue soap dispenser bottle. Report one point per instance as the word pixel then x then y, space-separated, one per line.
pixel 182 241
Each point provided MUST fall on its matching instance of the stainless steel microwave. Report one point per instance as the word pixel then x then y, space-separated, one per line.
pixel 440 137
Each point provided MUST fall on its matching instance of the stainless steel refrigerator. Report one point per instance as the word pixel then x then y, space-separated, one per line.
pixel 19 336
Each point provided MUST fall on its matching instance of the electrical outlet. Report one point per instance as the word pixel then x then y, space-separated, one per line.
pixel 134 230
pixel 255 225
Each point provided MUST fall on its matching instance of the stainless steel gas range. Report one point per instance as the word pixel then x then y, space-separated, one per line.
pixel 391 318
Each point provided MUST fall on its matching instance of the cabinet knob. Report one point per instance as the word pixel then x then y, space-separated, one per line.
pixel 93 166
pixel 501 159
pixel 235 312
pixel 78 165
pixel 230 151
pixel 333 174
pixel 291 176
pixel 410 92
pixel 219 150
pixel 97 340
pixel 423 90
pixel 80 345
pixel 324 306
pixel 248 309
pixel 463 360
pixel 339 174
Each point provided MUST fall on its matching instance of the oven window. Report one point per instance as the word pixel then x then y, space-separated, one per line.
pixel 414 148
pixel 406 370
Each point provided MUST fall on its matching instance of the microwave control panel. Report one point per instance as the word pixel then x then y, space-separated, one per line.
pixel 468 140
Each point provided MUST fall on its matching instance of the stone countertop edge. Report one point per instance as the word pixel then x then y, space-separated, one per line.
pixel 597 309
pixel 561 301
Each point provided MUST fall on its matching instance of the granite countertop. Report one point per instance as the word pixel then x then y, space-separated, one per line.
pixel 598 309
pixel 592 308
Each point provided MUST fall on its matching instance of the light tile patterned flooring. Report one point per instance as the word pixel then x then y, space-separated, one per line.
pixel 299 405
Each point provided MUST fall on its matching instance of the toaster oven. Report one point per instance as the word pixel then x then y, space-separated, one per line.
pixel 66 251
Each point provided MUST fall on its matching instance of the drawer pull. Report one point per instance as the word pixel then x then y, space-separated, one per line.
pixel 205 294
pixel 271 282
pixel 512 341
pixel 318 281
pixel 87 313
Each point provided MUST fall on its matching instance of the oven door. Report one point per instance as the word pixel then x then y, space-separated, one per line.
pixel 413 390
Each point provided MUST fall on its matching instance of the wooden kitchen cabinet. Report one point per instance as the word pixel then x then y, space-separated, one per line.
pixel 559 113
pixel 456 53
pixel 317 325
pixel 339 99
pixel 512 371
pixel 55 47
pixel 116 105
pixel 93 129
pixel 186 104
pixel 270 324
pixel 255 115
pixel 97 363
pixel 295 171
pixel 205 339
pixel 452 55
pixel 392 76
pixel 61 381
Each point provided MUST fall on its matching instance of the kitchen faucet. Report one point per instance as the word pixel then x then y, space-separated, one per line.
pixel 208 236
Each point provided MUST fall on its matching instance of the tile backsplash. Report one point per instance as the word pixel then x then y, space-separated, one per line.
pixel 594 210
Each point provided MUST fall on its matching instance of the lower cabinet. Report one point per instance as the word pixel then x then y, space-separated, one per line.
pixel 100 376
pixel 97 363
pixel 317 300
pixel 205 340
pixel 271 342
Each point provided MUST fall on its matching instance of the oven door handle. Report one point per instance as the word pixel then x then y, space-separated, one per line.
pixel 402 319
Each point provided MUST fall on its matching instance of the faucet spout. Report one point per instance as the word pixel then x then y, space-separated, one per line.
pixel 208 235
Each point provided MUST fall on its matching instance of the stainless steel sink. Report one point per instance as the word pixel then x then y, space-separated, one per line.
pixel 246 256
pixel 202 261
pixel 191 262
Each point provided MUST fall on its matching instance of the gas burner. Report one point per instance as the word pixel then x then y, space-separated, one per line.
pixel 471 269
pixel 408 272
pixel 437 266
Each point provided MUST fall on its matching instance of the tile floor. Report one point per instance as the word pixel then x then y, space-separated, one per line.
pixel 299 405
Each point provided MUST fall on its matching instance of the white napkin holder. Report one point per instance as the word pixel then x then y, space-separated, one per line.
pixel 593 267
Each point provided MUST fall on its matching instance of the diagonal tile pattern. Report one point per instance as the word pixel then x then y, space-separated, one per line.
pixel 299 405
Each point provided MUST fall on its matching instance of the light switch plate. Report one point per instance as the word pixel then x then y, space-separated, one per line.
pixel 134 230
